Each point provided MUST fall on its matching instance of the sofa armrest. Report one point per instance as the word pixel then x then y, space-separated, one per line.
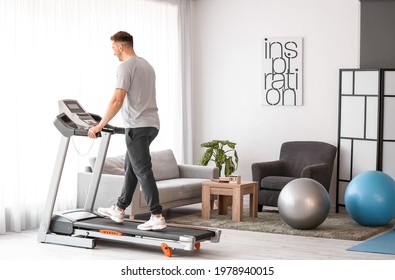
pixel 261 170
pixel 319 172
pixel 198 171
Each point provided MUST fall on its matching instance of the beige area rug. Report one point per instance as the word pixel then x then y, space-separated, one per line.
pixel 336 225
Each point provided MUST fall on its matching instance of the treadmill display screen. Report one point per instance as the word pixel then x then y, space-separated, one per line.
pixel 75 108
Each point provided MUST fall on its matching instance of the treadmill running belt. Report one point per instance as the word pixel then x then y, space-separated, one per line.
pixel 130 228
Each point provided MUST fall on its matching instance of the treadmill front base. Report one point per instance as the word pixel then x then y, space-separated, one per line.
pixel 67 240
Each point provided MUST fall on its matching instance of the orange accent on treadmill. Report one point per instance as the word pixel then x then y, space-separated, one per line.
pixel 110 232
pixel 166 250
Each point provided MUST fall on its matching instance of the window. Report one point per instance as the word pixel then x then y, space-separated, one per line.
pixel 52 50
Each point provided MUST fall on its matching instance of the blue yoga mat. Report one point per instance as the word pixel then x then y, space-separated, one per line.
pixel 382 244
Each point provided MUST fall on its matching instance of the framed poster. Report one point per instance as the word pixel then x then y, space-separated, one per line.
pixel 282 71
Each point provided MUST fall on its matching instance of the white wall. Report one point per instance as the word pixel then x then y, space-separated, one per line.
pixel 227 66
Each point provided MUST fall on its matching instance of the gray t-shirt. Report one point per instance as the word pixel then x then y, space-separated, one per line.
pixel 137 77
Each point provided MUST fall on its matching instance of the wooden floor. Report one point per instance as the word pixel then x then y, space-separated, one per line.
pixel 233 245
pixel 236 245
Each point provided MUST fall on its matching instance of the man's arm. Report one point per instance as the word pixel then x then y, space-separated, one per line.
pixel 113 108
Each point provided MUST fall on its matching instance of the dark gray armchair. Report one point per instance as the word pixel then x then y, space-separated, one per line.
pixel 298 159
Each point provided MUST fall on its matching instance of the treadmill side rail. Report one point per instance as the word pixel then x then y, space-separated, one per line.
pixel 185 242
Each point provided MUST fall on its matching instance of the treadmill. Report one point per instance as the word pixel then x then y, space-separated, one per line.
pixel 82 227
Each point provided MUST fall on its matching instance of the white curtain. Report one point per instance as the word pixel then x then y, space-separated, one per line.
pixel 185 30
pixel 61 49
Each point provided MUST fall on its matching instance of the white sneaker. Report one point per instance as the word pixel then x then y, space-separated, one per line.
pixel 154 223
pixel 113 213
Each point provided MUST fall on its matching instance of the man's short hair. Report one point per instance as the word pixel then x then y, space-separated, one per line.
pixel 123 37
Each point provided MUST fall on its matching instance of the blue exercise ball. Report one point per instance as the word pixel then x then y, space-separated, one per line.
pixel 303 203
pixel 370 198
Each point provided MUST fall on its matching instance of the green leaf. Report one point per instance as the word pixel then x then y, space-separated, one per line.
pixel 231 145
pixel 211 144
pixel 229 166
pixel 206 157
pixel 220 157
pixel 236 158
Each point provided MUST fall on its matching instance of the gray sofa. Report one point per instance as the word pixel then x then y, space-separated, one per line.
pixel 178 184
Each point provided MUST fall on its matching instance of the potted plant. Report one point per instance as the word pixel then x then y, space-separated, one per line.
pixel 222 153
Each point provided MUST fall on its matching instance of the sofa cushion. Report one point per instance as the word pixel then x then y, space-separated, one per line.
pixel 112 165
pixel 275 182
pixel 182 188
pixel 164 165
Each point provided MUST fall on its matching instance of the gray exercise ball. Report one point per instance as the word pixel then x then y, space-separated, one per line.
pixel 303 203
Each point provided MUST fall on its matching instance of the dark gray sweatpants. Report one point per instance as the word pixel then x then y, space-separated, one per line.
pixel 138 169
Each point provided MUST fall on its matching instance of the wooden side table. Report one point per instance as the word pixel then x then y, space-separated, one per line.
pixel 234 190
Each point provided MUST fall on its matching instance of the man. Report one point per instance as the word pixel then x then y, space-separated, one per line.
pixel 135 96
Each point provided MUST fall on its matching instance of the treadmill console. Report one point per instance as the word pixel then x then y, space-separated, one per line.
pixel 75 120
pixel 76 113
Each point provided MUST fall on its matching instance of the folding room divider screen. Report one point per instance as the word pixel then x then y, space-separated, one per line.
pixel 366 136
